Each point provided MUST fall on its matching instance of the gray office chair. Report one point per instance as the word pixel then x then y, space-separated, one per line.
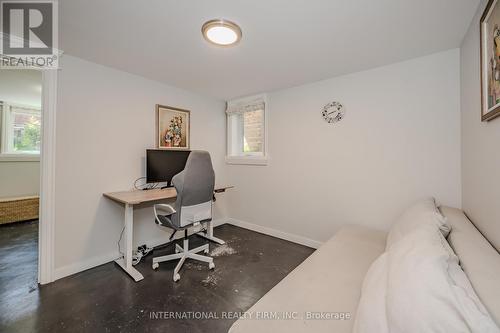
pixel 195 190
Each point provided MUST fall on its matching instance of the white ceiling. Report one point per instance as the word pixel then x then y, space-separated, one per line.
pixel 285 42
pixel 23 87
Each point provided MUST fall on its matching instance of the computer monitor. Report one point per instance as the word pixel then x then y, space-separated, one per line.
pixel 163 165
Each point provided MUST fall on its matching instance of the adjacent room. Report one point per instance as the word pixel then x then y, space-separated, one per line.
pixel 20 141
pixel 236 166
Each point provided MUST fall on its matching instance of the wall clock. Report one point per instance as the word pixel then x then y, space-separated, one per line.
pixel 333 112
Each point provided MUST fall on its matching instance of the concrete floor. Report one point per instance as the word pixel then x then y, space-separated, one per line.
pixel 104 299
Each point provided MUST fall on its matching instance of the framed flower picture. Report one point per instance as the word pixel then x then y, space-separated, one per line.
pixel 490 61
pixel 172 127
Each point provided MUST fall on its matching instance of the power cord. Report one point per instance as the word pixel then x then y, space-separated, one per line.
pixel 119 240
pixel 141 252
pixel 146 186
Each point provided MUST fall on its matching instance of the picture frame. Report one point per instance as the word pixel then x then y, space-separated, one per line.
pixel 490 61
pixel 173 128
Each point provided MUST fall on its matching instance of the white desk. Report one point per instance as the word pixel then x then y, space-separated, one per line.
pixel 131 198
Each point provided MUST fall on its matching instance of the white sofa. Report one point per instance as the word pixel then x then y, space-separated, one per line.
pixel 329 282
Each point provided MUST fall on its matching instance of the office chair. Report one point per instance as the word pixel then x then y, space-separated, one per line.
pixel 193 206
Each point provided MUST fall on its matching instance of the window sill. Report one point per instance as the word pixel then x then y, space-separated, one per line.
pixel 19 157
pixel 247 160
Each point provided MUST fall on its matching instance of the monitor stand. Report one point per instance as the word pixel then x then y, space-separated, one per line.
pixel 166 186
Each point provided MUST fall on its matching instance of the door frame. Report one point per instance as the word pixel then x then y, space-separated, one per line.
pixel 46 220
pixel 46 229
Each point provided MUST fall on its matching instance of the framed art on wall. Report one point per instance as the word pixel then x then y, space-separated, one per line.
pixel 172 127
pixel 490 61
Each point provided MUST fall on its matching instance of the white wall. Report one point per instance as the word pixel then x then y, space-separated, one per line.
pixel 19 179
pixel 480 152
pixel 21 87
pixel 400 140
pixel 105 122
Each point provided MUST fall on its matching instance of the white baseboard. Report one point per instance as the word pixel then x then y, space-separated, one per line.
pixel 275 233
pixel 83 265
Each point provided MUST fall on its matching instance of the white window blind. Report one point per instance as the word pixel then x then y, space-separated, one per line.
pixel 243 107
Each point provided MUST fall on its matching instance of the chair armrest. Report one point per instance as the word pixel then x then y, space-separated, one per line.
pixel 164 208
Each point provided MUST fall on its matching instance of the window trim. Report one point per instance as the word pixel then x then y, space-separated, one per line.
pixel 248 158
pixel 6 155
pixel 22 157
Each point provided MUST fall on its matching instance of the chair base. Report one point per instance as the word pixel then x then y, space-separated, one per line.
pixel 183 253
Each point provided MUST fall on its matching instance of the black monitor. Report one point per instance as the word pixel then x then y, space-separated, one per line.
pixel 163 165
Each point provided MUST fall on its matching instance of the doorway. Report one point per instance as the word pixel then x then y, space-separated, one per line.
pixel 20 149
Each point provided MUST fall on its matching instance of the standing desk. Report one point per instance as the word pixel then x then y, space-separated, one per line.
pixel 136 197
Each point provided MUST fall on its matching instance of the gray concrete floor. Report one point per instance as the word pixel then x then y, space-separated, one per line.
pixel 104 299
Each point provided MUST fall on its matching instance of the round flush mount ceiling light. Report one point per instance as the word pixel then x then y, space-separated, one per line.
pixel 221 32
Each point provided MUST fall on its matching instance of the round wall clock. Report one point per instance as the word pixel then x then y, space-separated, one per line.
pixel 333 112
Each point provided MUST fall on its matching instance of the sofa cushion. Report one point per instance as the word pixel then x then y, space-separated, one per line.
pixel 327 285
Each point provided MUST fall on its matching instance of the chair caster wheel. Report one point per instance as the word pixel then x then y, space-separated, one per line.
pixel 156 265
pixel 177 277
pixel 211 265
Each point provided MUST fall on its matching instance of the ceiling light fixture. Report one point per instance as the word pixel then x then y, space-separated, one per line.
pixel 221 32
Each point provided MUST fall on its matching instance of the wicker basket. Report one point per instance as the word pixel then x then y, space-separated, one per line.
pixel 18 209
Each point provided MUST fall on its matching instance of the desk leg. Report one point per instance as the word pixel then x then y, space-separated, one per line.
pixel 210 234
pixel 126 262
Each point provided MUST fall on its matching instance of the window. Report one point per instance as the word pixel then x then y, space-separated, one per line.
pixel 20 129
pixel 246 131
